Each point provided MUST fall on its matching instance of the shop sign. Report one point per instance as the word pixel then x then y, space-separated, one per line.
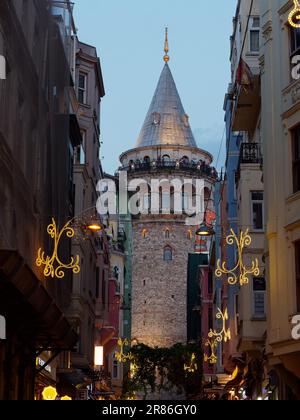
pixel 41 362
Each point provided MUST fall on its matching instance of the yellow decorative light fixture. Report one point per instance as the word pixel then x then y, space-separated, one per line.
pixel 54 267
pixel 240 272
pixel 66 398
pixel 213 345
pixel 224 334
pixel 192 367
pixel 215 338
pixel 120 356
pixel 94 227
pixel 294 16
pixel 49 393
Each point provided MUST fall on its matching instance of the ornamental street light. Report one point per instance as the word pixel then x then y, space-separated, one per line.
pixel 205 230
pixel 215 338
pixel 294 16
pixel 240 272
pixel 87 221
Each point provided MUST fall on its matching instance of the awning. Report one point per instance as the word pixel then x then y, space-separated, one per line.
pixel 25 300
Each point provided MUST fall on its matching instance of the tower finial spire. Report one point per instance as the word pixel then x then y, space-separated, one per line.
pixel 166 57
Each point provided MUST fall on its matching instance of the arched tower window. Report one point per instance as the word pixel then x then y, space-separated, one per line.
pixel 166 160
pixel 185 160
pixel 144 233
pixel 168 253
pixel 167 234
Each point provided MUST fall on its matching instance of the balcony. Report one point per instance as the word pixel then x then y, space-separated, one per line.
pixel 247 104
pixel 158 165
pixel 250 153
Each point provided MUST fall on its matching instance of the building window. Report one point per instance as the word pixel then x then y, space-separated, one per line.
pixel 168 254
pixel 259 297
pixel 295 41
pixel 185 202
pixel 166 160
pixel 254 35
pixel 146 203
pixel 166 202
pixel 79 156
pixel 296 158
pixel 257 210
pixel 167 234
pixel 297 256
pixel 82 87
pixel 115 370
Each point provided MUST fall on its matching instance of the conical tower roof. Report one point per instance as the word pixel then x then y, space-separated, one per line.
pixel 166 122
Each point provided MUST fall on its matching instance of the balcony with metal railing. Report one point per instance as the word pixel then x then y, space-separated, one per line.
pixel 250 153
pixel 199 168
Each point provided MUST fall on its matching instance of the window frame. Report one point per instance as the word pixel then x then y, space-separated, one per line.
pixel 115 365
pixel 82 89
pixel 253 29
pixel 256 315
pixel 252 201
pixel 168 249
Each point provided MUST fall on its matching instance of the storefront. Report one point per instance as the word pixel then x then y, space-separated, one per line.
pixel 34 325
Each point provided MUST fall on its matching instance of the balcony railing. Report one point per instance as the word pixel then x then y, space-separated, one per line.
pixel 250 153
pixel 199 167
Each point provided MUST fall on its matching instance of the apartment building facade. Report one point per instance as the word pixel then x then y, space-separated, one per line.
pixel 36 151
pixel 280 132
pixel 243 209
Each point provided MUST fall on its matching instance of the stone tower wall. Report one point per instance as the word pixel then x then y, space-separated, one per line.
pixel 159 288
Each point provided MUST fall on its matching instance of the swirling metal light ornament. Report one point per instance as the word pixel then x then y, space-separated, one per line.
pixel 54 267
pixel 294 16
pixel 192 367
pixel 240 272
pixel 120 356
pixel 213 345
pixel 224 334
pixel 215 338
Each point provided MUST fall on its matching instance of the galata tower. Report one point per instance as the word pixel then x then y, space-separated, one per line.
pixel 165 150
